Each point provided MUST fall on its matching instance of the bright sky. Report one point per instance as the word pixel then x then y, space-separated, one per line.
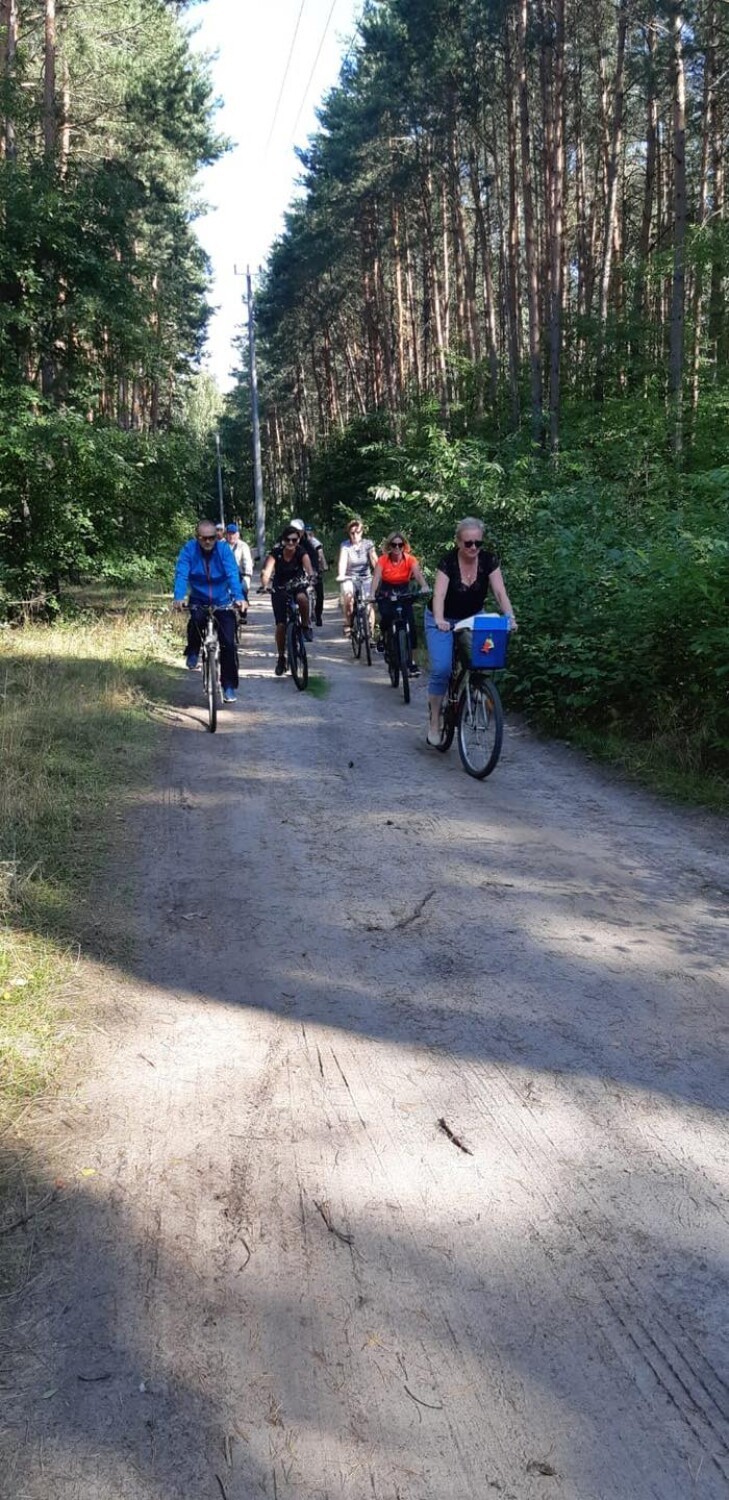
pixel 251 187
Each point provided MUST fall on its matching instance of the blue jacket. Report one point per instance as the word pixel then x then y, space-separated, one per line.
pixel 209 579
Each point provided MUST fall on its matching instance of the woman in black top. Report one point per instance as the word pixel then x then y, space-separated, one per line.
pixel 287 562
pixel 462 581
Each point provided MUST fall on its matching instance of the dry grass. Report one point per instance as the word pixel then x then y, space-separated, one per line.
pixel 76 736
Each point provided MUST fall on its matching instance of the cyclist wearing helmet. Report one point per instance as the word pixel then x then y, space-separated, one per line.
pixel 287 563
pixel 395 569
pixel 320 566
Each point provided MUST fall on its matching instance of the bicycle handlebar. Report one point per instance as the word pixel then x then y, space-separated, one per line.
pixel 395 593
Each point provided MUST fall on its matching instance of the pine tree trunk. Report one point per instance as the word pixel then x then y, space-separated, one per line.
pixel 9 25
pixel 557 176
pixel 50 121
pixel 679 240
pixel 697 294
pixel 611 196
pixel 529 231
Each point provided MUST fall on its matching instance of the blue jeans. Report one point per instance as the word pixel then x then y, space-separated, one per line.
pixel 440 653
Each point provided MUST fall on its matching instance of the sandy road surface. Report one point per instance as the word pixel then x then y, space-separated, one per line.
pixel 284 1278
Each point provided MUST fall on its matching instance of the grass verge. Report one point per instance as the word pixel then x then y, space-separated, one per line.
pixel 318 685
pixel 77 735
pixel 654 767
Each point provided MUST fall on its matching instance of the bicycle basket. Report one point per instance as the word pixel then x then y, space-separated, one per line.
pixel 483 646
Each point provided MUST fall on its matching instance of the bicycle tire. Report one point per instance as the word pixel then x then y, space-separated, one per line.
pixel 210 689
pixel 403 652
pixel 366 636
pixel 356 636
pixel 392 659
pixel 449 729
pixel 298 660
pixel 480 728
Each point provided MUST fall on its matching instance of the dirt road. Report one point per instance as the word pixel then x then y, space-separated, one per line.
pixel 275 1270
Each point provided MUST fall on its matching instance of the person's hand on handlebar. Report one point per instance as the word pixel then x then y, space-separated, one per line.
pixel 443 625
pixel 179 604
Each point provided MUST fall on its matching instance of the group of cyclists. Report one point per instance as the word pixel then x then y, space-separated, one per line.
pixel 215 569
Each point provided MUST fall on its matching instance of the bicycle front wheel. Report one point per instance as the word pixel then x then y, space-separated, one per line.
pixel 211 688
pixel 480 728
pixel 356 636
pixel 366 636
pixel 403 652
pixel 298 660
pixel 392 658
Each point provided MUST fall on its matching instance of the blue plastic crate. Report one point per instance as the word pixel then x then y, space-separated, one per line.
pixel 486 642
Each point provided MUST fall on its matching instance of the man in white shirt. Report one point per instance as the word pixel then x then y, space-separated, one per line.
pixel 242 554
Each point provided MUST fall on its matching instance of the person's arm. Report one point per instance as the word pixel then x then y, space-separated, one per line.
pixel 247 561
pixel 376 578
pixel 342 564
pixel 323 564
pixel 498 589
pixel 439 592
pixel 267 570
pixel 306 562
pixel 372 558
pixel 419 576
pixel 182 577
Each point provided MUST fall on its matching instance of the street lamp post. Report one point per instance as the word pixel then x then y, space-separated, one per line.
pixel 220 478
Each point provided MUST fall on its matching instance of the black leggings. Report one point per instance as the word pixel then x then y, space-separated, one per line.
pixel 387 611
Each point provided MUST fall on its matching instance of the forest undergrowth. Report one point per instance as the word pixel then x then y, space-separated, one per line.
pixel 617 565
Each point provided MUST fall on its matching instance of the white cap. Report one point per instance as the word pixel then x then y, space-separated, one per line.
pixel 297 526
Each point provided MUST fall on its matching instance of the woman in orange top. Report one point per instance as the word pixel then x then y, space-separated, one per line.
pixel 395 569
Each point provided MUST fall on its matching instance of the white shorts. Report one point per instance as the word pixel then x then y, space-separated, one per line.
pixel 347 586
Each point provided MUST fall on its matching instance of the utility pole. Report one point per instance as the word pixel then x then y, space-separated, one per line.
pixel 257 471
pixel 220 478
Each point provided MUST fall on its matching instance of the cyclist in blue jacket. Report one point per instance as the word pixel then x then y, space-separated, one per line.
pixel 207 571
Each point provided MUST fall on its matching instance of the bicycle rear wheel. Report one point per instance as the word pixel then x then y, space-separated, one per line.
pixel 298 660
pixel 403 652
pixel 480 728
pixel 211 687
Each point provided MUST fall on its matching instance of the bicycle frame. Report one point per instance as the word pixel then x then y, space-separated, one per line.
pixel 361 627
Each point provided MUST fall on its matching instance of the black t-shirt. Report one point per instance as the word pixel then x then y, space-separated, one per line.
pixel 464 599
pixel 312 551
pixel 283 571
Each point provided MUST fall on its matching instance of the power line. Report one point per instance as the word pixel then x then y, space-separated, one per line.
pixel 316 60
pixel 286 72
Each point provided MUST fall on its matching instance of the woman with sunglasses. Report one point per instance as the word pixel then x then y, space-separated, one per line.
pixel 357 559
pixel 287 563
pixel 462 581
pixel 395 569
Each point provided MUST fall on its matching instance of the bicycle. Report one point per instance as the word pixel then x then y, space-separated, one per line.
pixel 296 658
pixel 210 662
pixel 472 709
pixel 361 635
pixel 396 637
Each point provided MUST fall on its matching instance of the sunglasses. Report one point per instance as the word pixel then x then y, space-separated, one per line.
pixel 207 537
pixel 288 540
pixel 396 546
pixel 352 529
pixel 472 544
